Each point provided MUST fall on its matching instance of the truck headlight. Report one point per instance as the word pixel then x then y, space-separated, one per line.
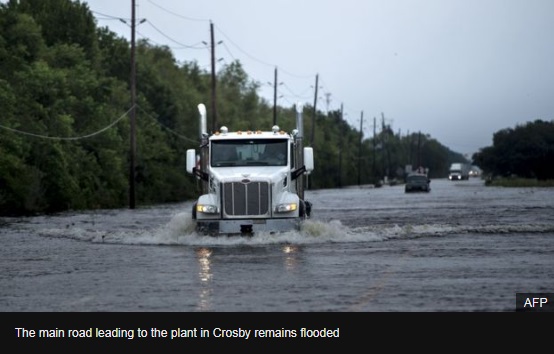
pixel 284 208
pixel 206 208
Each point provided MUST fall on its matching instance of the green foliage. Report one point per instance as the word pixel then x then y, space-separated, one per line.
pixel 238 103
pixel 65 131
pixel 525 151
pixel 63 21
pixel 20 41
pixel 114 55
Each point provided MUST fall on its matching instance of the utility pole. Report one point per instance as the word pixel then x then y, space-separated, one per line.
pixel 374 147
pixel 214 109
pixel 275 99
pixel 341 134
pixel 133 112
pixel 315 110
pixel 419 149
pixel 385 135
pixel 360 148
pixel 327 102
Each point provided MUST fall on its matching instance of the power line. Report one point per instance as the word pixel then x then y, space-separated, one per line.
pixel 108 17
pixel 174 41
pixel 68 138
pixel 177 15
pixel 228 39
pixel 250 56
pixel 166 127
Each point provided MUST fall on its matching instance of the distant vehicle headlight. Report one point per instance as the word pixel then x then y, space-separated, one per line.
pixel 207 209
pixel 284 208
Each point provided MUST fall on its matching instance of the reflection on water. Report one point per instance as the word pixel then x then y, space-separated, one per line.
pixel 291 256
pixel 205 275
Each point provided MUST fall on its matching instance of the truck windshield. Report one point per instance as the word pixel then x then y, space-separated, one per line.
pixel 249 152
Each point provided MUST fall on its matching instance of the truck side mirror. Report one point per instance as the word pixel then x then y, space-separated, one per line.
pixel 191 160
pixel 309 159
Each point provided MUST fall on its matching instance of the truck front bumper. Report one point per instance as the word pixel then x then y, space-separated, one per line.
pixel 247 226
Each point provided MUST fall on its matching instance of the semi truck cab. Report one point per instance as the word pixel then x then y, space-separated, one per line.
pixel 253 181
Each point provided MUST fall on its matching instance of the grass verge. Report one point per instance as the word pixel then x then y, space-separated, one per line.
pixel 519 182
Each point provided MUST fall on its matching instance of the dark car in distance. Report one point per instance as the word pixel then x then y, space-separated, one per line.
pixel 417 182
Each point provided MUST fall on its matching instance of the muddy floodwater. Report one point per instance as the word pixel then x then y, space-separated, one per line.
pixel 461 247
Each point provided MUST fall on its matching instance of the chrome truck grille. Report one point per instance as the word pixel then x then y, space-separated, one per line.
pixel 246 199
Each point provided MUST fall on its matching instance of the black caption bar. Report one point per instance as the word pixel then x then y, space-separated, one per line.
pixel 535 302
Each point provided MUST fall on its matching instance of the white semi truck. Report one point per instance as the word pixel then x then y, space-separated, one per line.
pixel 252 181
pixel 459 171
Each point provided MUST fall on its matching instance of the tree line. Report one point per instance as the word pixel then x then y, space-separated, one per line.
pixel 65 128
pixel 526 151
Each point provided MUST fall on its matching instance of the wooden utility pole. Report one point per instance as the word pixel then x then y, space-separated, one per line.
pixel 275 99
pixel 374 147
pixel 341 147
pixel 133 112
pixel 360 148
pixel 315 111
pixel 385 144
pixel 419 149
pixel 214 109
pixel 327 102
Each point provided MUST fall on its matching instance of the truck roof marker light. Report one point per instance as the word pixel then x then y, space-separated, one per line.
pixel 258 131
pixel 249 132
pixel 275 129
pixel 239 132
pixel 224 130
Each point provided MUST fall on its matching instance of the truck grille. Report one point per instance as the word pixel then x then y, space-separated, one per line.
pixel 246 199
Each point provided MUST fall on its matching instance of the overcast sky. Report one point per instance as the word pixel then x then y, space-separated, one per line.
pixel 458 70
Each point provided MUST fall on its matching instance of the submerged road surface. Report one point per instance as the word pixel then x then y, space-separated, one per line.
pixel 460 247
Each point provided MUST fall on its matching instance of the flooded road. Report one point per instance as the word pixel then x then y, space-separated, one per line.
pixel 461 247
